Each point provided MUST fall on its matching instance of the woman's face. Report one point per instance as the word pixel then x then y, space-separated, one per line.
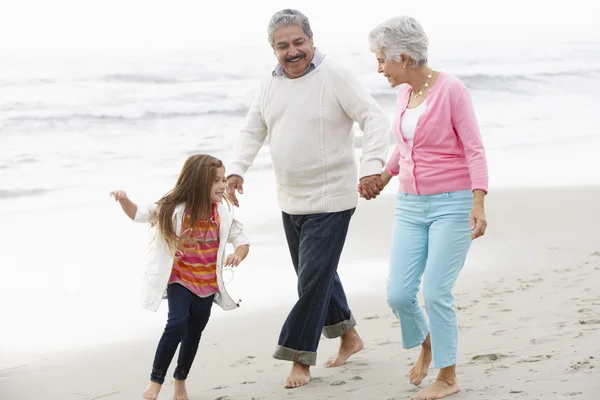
pixel 394 72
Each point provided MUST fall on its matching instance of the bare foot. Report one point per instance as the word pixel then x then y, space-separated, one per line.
pixel 419 371
pixel 299 376
pixel 179 392
pixel 152 391
pixel 350 344
pixel 438 390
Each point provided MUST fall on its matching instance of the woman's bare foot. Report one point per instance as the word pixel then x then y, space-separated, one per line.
pixel 152 391
pixel 350 344
pixel 179 392
pixel 445 385
pixel 299 376
pixel 421 368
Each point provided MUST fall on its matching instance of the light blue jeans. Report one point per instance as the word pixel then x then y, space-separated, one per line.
pixel 431 238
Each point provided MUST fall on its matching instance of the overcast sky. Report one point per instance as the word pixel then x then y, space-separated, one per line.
pixel 48 25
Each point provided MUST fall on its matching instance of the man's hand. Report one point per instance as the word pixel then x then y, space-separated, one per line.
pixel 234 182
pixel 371 186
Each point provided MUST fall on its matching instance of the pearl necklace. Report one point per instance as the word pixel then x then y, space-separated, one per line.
pixel 424 86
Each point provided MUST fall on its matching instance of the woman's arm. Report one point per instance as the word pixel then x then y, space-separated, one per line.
pixel 465 123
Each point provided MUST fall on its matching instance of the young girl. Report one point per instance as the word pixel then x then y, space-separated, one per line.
pixel 194 224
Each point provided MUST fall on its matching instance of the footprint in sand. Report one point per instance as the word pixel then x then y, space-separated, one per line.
pixel 220 387
pixel 371 317
pixel 387 342
pixel 595 254
pixel 223 398
pixel 338 383
pixel 245 361
pixel 489 357
pixel 535 359
pixel 586 363
pixel 356 378
pixel 589 322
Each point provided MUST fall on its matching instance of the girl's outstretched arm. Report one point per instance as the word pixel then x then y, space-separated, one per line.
pixel 128 206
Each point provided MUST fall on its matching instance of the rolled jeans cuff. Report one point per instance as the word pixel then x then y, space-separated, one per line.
pixel 299 356
pixel 339 329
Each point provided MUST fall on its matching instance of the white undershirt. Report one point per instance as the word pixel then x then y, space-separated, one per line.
pixel 408 124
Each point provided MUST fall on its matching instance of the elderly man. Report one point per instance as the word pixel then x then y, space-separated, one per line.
pixel 307 108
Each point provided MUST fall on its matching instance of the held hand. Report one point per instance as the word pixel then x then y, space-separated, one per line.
pixel 370 186
pixel 478 221
pixel 233 260
pixel 234 183
pixel 119 195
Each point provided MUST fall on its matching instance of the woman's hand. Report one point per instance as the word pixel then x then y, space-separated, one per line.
pixel 477 216
pixel 384 179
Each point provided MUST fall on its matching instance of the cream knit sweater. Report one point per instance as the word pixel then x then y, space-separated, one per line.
pixel 308 122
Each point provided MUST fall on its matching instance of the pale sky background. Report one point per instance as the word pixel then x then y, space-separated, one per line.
pixel 53 25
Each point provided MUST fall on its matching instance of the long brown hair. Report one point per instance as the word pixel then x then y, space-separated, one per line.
pixel 193 188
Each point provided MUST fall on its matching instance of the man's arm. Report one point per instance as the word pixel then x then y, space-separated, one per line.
pixel 363 109
pixel 250 139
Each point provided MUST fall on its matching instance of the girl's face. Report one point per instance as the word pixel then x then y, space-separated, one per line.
pixel 217 189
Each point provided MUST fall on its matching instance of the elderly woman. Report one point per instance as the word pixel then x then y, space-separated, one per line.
pixel 441 167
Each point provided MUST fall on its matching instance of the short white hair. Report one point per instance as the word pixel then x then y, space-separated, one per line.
pixel 288 17
pixel 400 35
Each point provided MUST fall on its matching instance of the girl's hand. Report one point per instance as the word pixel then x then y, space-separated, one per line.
pixel 233 260
pixel 119 195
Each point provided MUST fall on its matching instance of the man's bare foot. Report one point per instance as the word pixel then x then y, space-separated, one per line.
pixel 438 390
pixel 179 392
pixel 299 376
pixel 421 368
pixel 350 344
pixel 152 391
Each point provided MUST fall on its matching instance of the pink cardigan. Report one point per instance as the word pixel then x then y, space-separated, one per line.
pixel 447 153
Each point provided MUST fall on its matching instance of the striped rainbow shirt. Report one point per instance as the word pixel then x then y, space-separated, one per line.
pixel 195 266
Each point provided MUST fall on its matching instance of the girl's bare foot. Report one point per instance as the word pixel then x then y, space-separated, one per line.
pixel 179 393
pixel 299 376
pixel 421 368
pixel 152 391
pixel 350 344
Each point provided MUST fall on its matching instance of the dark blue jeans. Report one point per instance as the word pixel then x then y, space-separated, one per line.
pixel 315 242
pixel 188 315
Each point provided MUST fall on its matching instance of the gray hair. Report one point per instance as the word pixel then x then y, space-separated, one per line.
pixel 288 17
pixel 400 35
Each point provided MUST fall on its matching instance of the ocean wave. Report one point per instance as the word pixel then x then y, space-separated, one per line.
pixel 239 111
pixel 16 193
pixel 207 76
pixel 485 81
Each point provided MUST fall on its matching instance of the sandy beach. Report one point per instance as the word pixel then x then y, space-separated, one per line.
pixel 528 306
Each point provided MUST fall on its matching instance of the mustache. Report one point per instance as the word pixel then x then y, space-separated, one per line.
pixel 301 55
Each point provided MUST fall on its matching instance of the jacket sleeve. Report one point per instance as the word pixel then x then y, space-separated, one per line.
pixel 236 234
pixel 363 109
pixel 145 213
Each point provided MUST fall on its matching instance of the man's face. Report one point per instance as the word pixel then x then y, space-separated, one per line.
pixel 293 49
